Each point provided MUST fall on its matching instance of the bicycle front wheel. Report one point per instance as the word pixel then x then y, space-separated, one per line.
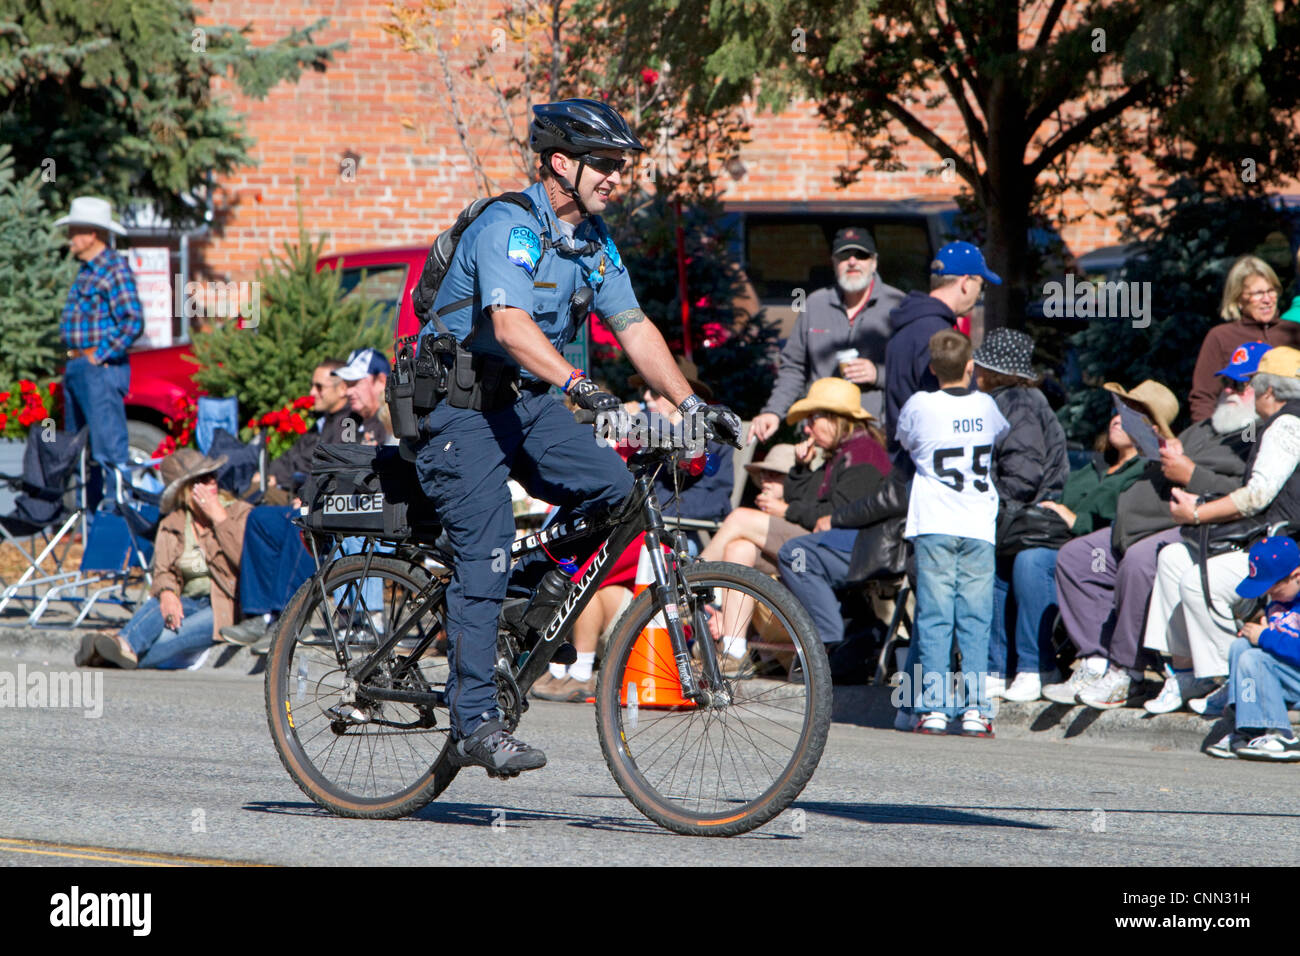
pixel 726 769
pixel 353 754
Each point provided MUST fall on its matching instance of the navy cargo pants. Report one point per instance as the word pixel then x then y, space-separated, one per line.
pixel 464 463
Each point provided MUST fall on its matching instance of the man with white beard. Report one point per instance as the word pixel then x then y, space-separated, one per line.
pixel 1104 579
pixel 850 316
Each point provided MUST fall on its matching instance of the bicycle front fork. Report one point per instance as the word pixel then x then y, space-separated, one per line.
pixel 669 585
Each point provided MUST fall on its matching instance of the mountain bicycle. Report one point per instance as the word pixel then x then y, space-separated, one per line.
pixel 357 670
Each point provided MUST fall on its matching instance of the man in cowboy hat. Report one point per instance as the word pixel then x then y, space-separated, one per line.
pixel 851 316
pixel 101 319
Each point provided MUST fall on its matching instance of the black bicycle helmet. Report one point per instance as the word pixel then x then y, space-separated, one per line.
pixel 580 126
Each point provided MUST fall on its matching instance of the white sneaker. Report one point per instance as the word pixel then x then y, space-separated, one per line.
pixel 1180 686
pixel 1068 691
pixel 994 686
pixel 1212 706
pixel 1113 689
pixel 1271 746
pixel 1025 688
pixel 933 723
pixel 975 725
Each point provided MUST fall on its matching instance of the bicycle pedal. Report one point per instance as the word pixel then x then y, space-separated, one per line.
pixel 348 714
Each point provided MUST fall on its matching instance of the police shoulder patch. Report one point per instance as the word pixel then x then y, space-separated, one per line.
pixel 524 249
pixel 611 250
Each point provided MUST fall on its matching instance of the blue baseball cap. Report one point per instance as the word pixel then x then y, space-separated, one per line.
pixel 1245 361
pixel 1271 560
pixel 362 362
pixel 962 259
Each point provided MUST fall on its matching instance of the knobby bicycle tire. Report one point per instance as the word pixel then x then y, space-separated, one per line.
pixel 325 756
pixel 741 784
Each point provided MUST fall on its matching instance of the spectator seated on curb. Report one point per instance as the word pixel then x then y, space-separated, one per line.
pixel 1264 662
pixel 1183 622
pixel 195 570
pixel 275 562
pixel 856 463
pixel 337 423
pixel 1104 579
pixel 1088 503
pixel 1029 465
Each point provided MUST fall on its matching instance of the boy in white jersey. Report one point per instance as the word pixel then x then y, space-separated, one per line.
pixel 951 517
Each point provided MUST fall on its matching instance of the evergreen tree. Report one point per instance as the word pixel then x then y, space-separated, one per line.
pixel 115 97
pixel 303 320
pixel 35 274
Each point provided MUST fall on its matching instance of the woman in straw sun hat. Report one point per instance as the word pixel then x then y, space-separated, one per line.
pixel 855 463
pixel 195 570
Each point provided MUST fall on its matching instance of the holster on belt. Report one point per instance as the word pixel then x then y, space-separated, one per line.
pixel 481 382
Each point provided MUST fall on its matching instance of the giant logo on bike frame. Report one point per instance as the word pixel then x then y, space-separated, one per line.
pixel 354 504
pixel 524 249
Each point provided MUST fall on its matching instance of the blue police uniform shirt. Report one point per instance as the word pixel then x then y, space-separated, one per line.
pixel 502 260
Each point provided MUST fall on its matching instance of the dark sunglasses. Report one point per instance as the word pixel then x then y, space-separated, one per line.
pixel 853 254
pixel 1233 385
pixel 605 165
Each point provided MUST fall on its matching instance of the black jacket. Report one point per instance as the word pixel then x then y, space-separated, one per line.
pixel 1030 463
pixel 879 550
pixel 907 358
pixel 1143 507
pixel 848 484
pixel 298 457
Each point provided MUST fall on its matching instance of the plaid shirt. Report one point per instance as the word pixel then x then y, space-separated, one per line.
pixel 103 310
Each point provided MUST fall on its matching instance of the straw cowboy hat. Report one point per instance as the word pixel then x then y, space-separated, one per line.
pixel 89 211
pixel 1151 399
pixel 779 458
pixel 180 468
pixel 689 371
pixel 830 395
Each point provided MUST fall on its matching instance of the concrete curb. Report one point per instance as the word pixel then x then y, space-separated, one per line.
pixel 865 706
pixel 1130 727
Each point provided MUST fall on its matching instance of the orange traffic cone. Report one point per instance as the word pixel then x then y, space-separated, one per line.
pixel 651 674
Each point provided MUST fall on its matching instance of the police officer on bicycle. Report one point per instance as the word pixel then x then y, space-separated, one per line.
pixel 519 281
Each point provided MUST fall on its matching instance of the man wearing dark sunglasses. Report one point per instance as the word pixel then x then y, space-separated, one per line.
pixel 524 276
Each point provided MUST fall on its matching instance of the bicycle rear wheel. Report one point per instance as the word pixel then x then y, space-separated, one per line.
pixel 721 771
pixel 358 756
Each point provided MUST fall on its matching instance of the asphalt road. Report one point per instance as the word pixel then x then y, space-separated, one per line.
pixel 180 765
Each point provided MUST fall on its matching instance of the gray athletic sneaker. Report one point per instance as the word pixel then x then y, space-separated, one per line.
pixel 1067 691
pixel 502 755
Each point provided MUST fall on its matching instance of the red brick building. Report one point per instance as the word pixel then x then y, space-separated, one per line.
pixel 379 161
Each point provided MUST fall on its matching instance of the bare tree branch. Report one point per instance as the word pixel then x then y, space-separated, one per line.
pixel 1079 133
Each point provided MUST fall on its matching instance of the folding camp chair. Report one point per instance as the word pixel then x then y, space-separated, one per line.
pixel 43 508
pixel 118 544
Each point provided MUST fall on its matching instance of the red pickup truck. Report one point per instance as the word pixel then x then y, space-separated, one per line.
pixel 161 376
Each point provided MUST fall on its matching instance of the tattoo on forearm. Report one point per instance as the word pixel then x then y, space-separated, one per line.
pixel 620 322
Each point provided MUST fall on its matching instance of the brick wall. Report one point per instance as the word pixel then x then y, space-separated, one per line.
pixel 410 182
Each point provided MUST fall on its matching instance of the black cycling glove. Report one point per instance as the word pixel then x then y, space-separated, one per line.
pixel 719 421
pixel 587 394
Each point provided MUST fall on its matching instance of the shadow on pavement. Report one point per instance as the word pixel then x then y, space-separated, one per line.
pixel 899 813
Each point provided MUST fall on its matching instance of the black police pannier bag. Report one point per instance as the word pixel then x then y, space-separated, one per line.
pixel 359 489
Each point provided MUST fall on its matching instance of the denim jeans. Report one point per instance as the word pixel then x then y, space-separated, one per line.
pixel 274 562
pixel 95 395
pixel 163 648
pixel 1032 581
pixel 954 600
pixel 1261 687
pixel 812 567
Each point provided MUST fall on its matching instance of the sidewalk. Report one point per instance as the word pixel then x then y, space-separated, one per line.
pixel 864 706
